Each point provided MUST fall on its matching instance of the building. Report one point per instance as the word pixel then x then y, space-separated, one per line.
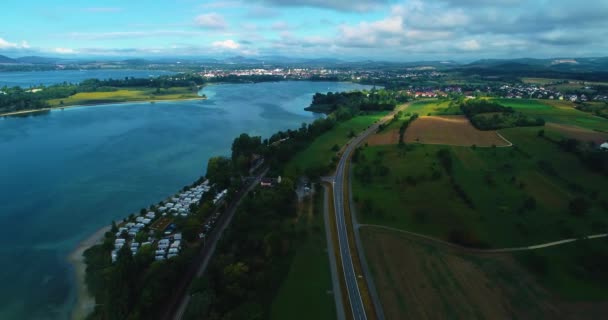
pixel 267 182
pixel 604 146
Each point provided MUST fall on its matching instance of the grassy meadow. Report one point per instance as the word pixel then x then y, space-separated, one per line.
pixel 575 271
pixel 305 293
pixel 433 108
pixel 320 152
pixel 562 112
pixel 495 197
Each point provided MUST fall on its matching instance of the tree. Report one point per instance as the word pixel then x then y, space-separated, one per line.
pixel 199 306
pixel 529 203
pixel 243 148
pixel 219 171
pixel 191 229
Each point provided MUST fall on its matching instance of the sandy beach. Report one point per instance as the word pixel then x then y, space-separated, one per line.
pixel 84 301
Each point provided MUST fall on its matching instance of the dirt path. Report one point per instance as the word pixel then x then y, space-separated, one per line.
pixel 474 250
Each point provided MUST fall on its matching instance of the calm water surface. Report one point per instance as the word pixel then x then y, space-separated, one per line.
pixel 65 174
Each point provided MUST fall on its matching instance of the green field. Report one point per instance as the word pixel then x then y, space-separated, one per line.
pixel 433 107
pixel 498 181
pixel 320 153
pixel 556 111
pixel 126 95
pixel 576 271
pixel 305 293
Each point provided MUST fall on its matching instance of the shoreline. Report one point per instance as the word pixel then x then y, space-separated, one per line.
pixel 84 303
pixel 22 112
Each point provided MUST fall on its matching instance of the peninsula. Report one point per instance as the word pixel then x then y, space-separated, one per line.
pixel 17 100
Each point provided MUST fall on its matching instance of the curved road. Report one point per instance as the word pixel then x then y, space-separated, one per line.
pixel 350 278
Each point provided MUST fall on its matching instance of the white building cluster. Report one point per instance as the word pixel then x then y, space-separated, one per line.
pixel 169 245
pixel 218 197
pixel 180 203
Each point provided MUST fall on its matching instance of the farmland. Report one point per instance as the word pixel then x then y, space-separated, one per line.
pixel 496 197
pixel 448 130
pixel 558 112
pixel 489 198
pixel 417 280
pixel 561 131
pixel 451 130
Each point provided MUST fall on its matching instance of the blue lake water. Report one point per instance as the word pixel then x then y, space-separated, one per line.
pixel 67 173
pixel 27 79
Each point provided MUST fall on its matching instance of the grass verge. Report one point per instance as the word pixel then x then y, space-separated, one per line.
pixel 306 292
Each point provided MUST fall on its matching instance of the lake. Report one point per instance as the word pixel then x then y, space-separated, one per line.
pixel 34 78
pixel 67 173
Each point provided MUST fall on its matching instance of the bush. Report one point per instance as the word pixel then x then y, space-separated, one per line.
pixel 445 158
pixel 579 206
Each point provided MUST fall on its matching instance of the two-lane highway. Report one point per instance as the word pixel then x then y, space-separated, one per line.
pixel 350 277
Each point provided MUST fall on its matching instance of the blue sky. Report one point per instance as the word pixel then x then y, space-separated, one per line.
pixel 403 30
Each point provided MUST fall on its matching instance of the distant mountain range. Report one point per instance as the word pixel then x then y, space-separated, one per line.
pixel 557 64
pixel 5 59
pixel 485 66
pixel 30 60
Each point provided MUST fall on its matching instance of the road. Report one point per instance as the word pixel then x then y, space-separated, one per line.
pixel 337 291
pixel 350 277
pixel 178 307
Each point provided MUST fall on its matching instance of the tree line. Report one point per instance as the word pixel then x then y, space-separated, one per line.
pixel 488 115
pixel 372 100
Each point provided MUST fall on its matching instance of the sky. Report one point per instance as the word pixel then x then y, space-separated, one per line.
pixel 392 30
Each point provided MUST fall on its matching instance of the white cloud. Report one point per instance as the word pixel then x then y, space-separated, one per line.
pixel 133 34
pixel 367 34
pixel 10 45
pixel 470 45
pixel 221 4
pixel 280 26
pixel 102 9
pixel 226 44
pixel 340 5
pixel 65 51
pixel 211 21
